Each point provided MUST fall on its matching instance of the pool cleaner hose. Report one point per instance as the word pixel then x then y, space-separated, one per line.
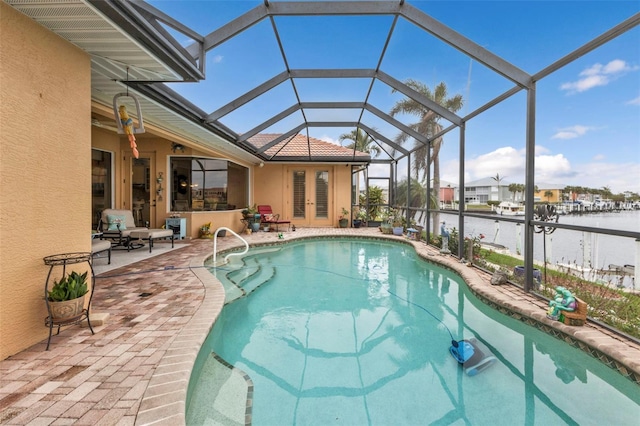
pixel 472 354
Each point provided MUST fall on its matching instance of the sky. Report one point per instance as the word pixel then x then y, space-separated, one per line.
pixel 587 123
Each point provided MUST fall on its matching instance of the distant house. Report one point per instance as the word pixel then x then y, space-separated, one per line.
pixel 554 192
pixel 484 190
pixel 447 194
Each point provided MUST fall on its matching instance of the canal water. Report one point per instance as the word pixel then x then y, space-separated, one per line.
pixel 581 249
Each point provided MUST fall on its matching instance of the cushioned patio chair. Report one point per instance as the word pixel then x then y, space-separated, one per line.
pixel 100 246
pixel 267 217
pixel 116 226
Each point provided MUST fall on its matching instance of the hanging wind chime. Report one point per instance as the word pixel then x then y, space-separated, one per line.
pixel 124 122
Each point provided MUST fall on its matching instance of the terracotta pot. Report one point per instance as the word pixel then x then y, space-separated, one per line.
pixel 67 309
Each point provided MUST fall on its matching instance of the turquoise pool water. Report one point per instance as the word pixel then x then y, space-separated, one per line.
pixel 357 332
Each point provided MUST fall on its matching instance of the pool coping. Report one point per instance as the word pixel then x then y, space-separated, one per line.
pixel 160 406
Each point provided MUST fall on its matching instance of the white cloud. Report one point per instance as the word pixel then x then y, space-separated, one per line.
pixel 598 75
pixel 585 83
pixel 539 150
pixel 616 66
pixel 571 132
pixel 599 157
pixel 618 177
pixel 552 168
pixel 557 168
pixel 507 161
pixel 329 139
pixel 635 101
pixel 217 59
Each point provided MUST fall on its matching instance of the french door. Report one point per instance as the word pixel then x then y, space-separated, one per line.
pixel 311 196
pixel 140 192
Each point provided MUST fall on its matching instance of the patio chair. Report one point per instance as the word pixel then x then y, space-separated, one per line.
pixel 116 226
pixel 267 217
pixel 100 246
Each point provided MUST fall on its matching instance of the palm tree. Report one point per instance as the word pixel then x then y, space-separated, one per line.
pixel 514 188
pixel 429 126
pixel 361 141
pixel 498 179
pixel 417 195
pixel 548 193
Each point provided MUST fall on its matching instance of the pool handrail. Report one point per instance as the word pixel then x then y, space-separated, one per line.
pixel 215 245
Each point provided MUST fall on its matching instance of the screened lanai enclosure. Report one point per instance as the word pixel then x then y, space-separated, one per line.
pixel 438 118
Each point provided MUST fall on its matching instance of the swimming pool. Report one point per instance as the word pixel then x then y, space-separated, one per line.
pixel 358 332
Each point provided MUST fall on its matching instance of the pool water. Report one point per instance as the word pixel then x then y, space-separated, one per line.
pixel 357 332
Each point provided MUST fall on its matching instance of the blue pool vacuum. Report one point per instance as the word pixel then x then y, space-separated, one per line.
pixel 474 356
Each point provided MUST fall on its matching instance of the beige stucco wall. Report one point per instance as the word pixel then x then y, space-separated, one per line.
pixel 273 189
pixel 556 196
pixel 44 168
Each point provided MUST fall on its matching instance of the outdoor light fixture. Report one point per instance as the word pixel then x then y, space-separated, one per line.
pixel 177 147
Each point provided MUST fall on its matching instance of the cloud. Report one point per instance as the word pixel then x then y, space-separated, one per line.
pixel 571 132
pixel 327 138
pixel 507 161
pixel 217 59
pixel 635 101
pixel 551 168
pixel 599 157
pixel 539 150
pixel 618 177
pixel 598 75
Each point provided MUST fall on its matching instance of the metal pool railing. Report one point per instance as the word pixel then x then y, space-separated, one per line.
pixel 215 246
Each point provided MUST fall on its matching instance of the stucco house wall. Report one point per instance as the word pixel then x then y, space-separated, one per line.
pixel 45 138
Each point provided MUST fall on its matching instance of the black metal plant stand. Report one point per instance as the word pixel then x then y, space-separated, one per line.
pixel 63 260
pixel 545 213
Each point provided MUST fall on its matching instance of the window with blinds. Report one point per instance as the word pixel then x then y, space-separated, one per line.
pixel 299 194
pixel 322 194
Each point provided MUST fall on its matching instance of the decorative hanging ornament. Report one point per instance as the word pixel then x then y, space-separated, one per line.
pixel 127 125
pixel 124 122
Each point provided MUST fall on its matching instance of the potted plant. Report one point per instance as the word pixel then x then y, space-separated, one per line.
pixel 250 212
pixel 344 220
pixel 252 217
pixel 395 218
pixel 361 216
pixel 206 231
pixel 66 297
pixel 385 226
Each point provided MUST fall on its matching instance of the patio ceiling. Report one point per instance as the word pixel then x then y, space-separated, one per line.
pixel 134 47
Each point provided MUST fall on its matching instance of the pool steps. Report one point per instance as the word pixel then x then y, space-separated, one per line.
pixel 251 271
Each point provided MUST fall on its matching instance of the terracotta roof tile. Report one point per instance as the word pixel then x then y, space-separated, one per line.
pixel 298 147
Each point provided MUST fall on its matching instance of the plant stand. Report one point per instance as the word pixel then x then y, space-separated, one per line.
pixel 63 260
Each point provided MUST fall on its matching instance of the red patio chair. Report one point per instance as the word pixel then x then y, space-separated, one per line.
pixel 268 218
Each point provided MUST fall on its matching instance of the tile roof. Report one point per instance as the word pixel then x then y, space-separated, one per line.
pixel 299 147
